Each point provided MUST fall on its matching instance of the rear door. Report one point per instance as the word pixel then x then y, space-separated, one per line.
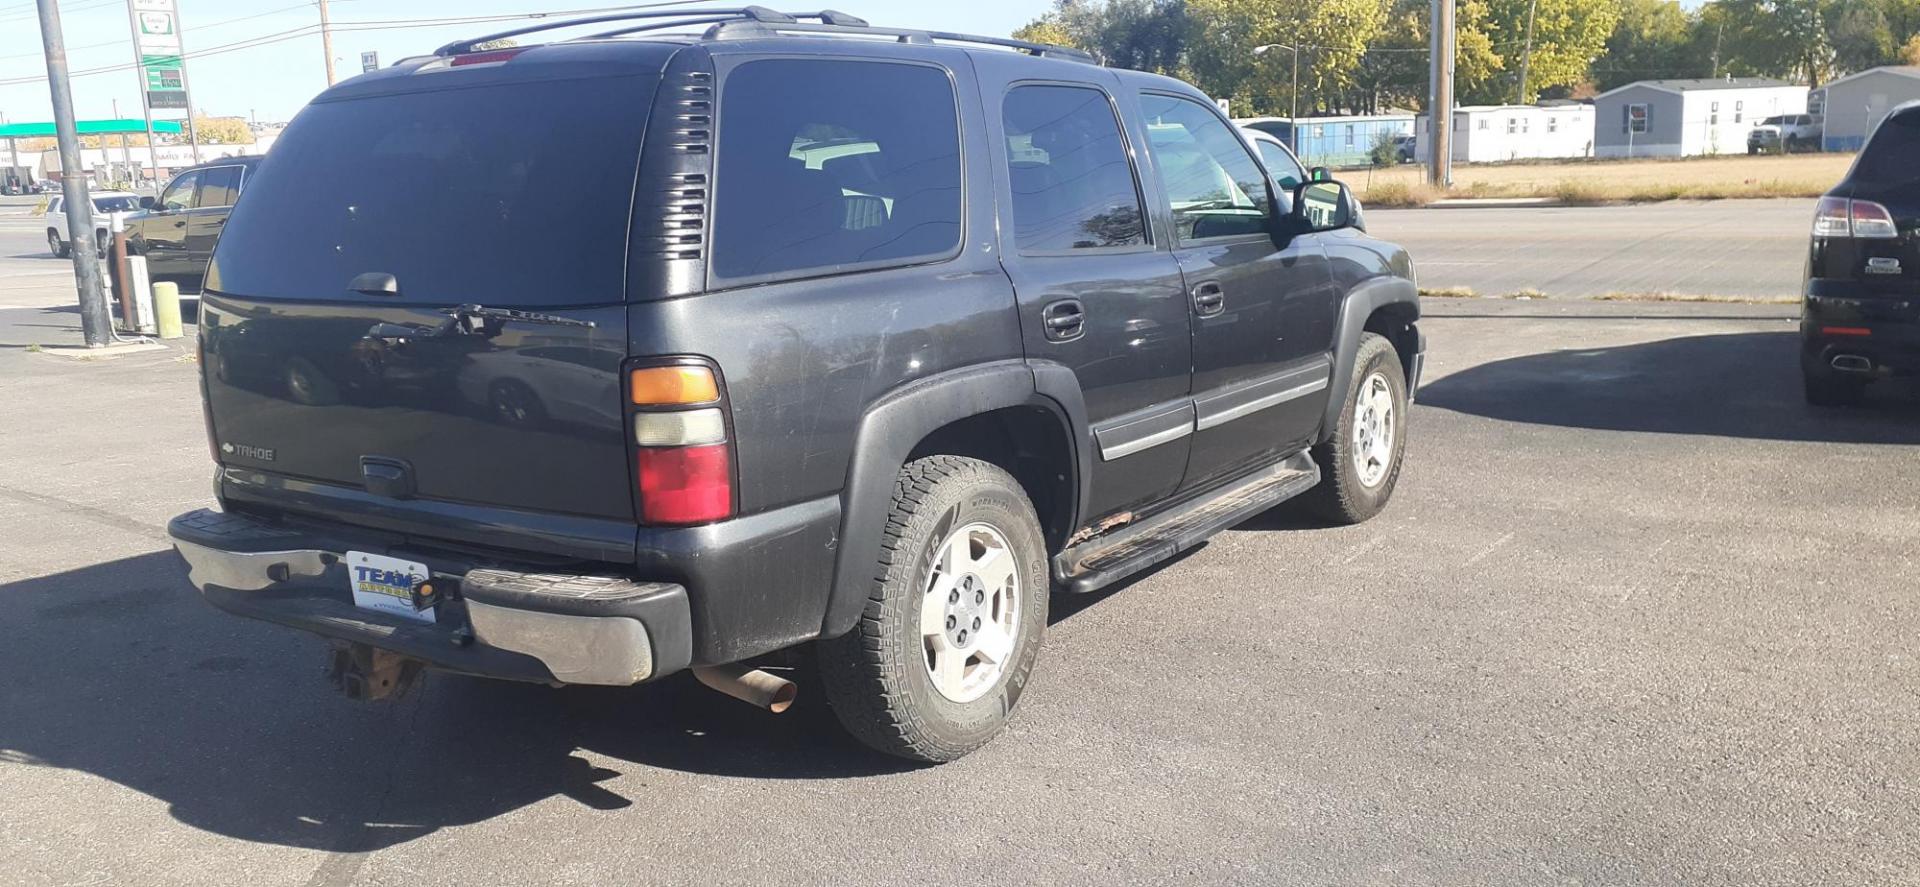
pixel 336 348
pixel 1263 309
pixel 1097 294
pixel 219 189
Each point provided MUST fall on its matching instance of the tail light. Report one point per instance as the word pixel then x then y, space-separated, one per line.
pixel 1841 217
pixel 684 462
pixel 488 57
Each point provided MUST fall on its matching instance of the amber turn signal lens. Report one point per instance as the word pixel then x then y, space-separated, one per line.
pixel 664 386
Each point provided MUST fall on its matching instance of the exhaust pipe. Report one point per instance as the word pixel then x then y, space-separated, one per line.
pixel 1852 363
pixel 749 685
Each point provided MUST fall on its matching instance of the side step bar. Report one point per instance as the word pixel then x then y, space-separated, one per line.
pixel 1102 561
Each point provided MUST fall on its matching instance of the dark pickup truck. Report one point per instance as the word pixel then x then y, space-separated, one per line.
pixel 600 360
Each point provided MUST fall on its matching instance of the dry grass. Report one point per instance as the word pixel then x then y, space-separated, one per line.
pixel 1617 181
pixel 1699 297
pixel 1452 292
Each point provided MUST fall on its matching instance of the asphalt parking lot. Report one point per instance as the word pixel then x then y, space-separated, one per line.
pixel 1636 616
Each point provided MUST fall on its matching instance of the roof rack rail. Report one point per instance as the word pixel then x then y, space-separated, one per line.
pixel 746 28
pixel 704 16
pixel 759 21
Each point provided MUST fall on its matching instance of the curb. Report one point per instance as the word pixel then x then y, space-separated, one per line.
pixel 1496 203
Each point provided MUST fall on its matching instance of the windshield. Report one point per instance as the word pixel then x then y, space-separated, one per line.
pixel 115 204
pixel 511 194
pixel 1773 121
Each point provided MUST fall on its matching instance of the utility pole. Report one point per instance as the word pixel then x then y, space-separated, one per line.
pixel 95 322
pixel 1526 58
pixel 1440 107
pixel 186 86
pixel 326 39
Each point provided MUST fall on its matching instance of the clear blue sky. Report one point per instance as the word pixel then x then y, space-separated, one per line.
pixel 274 80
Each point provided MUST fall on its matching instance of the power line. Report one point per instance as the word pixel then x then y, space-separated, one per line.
pixel 369 25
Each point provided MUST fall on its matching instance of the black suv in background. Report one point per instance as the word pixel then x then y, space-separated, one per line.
pixel 177 232
pixel 1861 319
pixel 600 360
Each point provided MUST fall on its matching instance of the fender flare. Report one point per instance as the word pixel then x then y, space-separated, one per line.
pixel 1359 305
pixel 895 424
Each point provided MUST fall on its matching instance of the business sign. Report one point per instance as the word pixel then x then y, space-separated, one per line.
pixel 369 61
pixel 156 36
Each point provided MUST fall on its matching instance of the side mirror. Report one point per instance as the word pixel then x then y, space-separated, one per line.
pixel 1321 206
pixel 147 202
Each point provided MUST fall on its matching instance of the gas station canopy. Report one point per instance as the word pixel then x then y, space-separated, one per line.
pixel 89 128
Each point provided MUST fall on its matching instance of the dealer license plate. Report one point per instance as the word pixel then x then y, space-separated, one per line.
pixel 386 584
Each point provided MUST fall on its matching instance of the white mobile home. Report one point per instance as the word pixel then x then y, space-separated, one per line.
pixel 1688 118
pixel 1500 133
pixel 1853 106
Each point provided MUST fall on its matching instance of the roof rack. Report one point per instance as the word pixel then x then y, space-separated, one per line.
pixel 759 21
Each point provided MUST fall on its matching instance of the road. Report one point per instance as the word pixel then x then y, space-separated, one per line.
pixel 1636 616
pixel 1748 248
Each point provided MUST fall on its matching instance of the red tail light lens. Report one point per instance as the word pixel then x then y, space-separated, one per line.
pixel 686 485
pixel 1872 221
pixel 486 58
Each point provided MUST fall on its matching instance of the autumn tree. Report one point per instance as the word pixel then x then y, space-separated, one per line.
pixel 1652 40
pixel 1333 36
pixel 223 130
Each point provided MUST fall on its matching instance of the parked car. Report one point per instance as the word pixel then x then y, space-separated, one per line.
pixel 106 206
pixel 1787 133
pixel 865 345
pixel 1858 321
pixel 1405 146
pixel 176 232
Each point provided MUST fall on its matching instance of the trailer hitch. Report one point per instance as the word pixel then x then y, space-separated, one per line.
pixel 370 674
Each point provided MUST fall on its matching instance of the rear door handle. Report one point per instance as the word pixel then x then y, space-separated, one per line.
pixel 1064 320
pixel 1209 298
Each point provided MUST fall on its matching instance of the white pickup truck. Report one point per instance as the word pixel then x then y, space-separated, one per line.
pixel 1785 133
pixel 106 205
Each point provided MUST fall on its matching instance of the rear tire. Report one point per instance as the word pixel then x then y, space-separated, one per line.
pixel 1823 390
pixel 60 250
pixel 1361 463
pixel 962 582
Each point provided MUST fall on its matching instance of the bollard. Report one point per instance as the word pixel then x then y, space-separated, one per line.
pixel 166 309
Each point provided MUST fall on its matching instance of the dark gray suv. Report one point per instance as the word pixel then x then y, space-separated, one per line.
pixel 652 351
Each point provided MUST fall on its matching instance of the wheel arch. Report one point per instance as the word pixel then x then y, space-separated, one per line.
pixel 1389 306
pixel 1028 418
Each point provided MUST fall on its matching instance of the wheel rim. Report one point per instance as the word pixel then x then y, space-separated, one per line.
pixel 1373 430
pixel 970 614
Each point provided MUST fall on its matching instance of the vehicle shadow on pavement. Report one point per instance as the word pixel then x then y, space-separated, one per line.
pixel 1739 385
pixel 119 670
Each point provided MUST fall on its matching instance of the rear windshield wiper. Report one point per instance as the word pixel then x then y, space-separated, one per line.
pixel 493 316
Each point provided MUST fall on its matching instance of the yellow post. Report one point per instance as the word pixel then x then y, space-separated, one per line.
pixel 166 309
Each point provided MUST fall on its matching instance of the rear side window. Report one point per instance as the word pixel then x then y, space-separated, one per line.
pixel 220 187
pixel 1072 185
pixel 1889 157
pixel 512 193
pixel 833 165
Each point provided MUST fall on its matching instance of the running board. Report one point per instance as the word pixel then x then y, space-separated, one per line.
pixel 1102 561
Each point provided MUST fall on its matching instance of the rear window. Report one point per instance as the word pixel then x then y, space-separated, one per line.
pixel 1888 159
pixel 834 165
pixel 115 204
pixel 516 193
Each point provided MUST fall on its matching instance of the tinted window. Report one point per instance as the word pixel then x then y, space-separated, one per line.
pixel 1281 165
pixel 115 204
pixel 516 193
pixel 53 206
pixel 829 164
pixel 220 186
pixel 1072 185
pixel 1888 159
pixel 1212 182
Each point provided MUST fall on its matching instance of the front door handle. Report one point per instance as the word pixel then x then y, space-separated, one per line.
pixel 1064 320
pixel 1209 298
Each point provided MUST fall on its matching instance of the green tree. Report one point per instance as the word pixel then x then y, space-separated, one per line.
pixel 1144 35
pixel 1653 40
pixel 1333 36
pixel 1565 37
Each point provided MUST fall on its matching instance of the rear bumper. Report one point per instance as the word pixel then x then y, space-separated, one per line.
pixel 541 627
pixel 1843 319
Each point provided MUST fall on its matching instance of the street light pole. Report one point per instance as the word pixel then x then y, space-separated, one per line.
pixel 95 322
pixel 1293 118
